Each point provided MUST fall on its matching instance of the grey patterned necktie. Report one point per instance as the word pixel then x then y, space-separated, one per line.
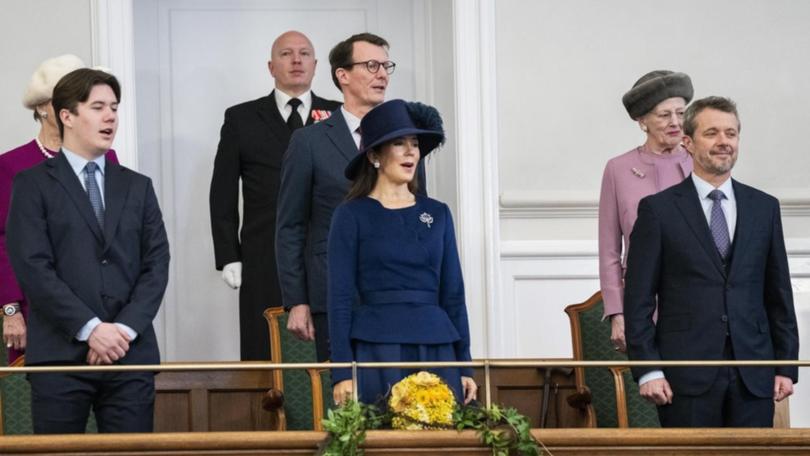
pixel 93 192
pixel 718 224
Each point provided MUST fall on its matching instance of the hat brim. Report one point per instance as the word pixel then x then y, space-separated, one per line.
pixel 428 141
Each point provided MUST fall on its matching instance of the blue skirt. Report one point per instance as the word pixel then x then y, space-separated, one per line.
pixel 374 385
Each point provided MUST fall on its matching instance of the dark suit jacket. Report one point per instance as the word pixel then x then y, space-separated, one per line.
pixel 253 140
pixel 312 186
pixel 71 270
pixel 673 256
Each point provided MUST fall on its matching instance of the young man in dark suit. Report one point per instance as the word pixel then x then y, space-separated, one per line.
pixel 313 184
pixel 87 243
pixel 252 143
pixel 710 252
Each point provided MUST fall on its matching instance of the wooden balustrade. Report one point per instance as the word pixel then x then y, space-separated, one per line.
pixel 560 442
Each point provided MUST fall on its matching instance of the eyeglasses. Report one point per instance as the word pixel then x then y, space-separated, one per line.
pixel 373 66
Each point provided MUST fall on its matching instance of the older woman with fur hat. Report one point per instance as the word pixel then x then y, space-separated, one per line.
pixel 395 288
pixel 656 103
pixel 45 145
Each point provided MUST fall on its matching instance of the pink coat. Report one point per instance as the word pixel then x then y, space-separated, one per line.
pixel 627 179
pixel 11 163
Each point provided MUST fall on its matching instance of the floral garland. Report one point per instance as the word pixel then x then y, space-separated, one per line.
pixel 424 401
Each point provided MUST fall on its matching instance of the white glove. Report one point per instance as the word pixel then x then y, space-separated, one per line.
pixel 232 274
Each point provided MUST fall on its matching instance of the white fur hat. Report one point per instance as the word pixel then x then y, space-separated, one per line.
pixel 49 72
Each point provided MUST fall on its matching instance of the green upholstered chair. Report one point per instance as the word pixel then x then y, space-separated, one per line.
pixel 15 399
pixel 306 393
pixel 613 395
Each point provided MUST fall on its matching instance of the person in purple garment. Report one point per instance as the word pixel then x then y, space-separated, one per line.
pixel 45 145
pixel 657 103
pixel 395 288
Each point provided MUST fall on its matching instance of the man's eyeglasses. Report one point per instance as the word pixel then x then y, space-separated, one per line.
pixel 373 66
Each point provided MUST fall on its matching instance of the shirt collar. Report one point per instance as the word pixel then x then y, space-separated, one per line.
pixel 77 162
pixel 351 120
pixel 282 99
pixel 704 188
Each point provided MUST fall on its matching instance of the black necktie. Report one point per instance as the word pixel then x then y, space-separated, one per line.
pixel 294 121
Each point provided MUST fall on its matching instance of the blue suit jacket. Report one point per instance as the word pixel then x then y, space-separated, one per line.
pixel 673 256
pixel 72 270
pixel 312 186
pixel 403 265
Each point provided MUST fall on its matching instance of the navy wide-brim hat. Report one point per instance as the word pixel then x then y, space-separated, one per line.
pixel 395 119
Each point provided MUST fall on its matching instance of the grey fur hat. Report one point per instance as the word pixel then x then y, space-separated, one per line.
pixel 45 77
pixel 655 87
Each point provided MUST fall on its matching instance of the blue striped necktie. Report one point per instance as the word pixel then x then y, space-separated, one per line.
pixel 718 225
pixel 93 192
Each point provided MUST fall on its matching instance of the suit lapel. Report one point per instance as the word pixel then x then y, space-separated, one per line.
pixel 688 202
pixel 338 133
pixel 268 112
pixel 744 226
pixel 60 169
pixel 116 188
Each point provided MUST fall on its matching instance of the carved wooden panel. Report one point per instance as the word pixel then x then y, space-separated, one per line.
pixel 212 401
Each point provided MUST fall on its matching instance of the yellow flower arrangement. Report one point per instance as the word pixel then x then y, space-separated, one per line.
pixel 422 401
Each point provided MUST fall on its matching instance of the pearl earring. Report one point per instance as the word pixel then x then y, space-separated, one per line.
pixel 644 128
pixel 376 164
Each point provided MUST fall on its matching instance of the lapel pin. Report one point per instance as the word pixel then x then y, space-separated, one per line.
pixel 637 172
pixel 320 114
pixel 426 218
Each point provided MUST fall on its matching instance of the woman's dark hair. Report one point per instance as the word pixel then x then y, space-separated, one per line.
pixel 366 179
pixel 75 88
pixel 341 55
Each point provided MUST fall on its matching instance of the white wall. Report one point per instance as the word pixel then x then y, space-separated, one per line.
pixel 563 67
pixel 32 31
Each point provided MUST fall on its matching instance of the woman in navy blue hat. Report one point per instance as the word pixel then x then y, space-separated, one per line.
pixel 395 289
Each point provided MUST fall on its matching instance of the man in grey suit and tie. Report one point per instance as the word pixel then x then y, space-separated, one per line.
pixel 313 184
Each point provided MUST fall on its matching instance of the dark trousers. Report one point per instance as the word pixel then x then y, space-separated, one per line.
pixel 254 334
pixel 728 403
pixel 321 323
pixel 121 401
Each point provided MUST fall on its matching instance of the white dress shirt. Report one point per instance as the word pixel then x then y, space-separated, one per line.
pixel 285 110
pixel 77 163
pixel 729 207
pixel 729 204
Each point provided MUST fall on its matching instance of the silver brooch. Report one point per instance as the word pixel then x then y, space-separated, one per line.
pixel 637 172
pixel 426 218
